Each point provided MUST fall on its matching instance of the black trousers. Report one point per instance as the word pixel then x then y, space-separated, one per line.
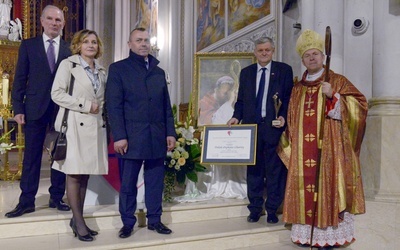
pixel 269 173
pixel 153 176
pixel 35 132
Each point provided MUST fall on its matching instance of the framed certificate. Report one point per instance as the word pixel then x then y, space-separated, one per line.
pixel 224 145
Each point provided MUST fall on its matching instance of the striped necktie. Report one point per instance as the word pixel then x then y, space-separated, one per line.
pixel 51 55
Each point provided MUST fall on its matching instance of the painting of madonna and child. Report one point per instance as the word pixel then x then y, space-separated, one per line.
pixel 216 85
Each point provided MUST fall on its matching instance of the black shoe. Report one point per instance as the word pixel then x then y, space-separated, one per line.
pixel 272 218
pixel 160 228
pixel 86 237
pixel 19 210
pixel 91 232
pixel 60 205
pixel 252 218
pixel 125 232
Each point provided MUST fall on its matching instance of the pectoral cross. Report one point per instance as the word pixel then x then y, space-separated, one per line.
pixel 309 102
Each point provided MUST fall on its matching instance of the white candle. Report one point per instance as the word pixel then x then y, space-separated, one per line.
pixel 5 90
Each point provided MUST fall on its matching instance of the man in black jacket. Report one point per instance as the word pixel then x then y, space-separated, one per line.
pixel 142 125
pixel 33 108
pixel 262 85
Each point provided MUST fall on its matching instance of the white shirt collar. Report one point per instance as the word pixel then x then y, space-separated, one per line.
pixel 85 65
pixel 268 67
pixel 46 38
pixel 315 76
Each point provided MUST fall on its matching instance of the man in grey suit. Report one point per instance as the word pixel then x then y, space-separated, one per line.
pixel 142 125
pixel 34 109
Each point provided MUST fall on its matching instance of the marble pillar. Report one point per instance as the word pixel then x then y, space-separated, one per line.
pixel 331 13
pixel 380 156
pixel 380 153
pixel 317 15
pixel 122 23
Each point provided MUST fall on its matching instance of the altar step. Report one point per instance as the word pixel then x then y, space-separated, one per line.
pixel 214 224
pixel 216 234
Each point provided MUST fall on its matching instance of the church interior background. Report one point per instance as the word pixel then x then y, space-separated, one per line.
pixel 365 49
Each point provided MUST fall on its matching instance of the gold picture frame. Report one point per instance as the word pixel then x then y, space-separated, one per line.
pixel 219 22
pixel 234 145
pixel 209 70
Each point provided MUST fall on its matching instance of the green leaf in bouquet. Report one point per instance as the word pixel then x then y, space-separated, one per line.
pixel 195 151
pixel 192 176
pixel 199 168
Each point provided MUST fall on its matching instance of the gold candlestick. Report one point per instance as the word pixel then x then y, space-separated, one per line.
pixel 4 113
pixel 5 173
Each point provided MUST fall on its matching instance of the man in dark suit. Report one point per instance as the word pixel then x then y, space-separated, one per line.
pixel 262 86
pixel 142 125
pixel 34 108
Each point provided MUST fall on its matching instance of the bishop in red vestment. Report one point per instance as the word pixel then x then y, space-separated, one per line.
pixel 340 193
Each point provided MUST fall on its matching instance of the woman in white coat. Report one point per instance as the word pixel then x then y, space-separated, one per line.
pixel 86 133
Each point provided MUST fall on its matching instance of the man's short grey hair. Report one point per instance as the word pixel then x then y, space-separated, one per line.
pixel 263 40
pixel 225 79
pixel 51 7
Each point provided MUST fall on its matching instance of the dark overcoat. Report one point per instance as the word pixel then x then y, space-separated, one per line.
pixel 139 107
